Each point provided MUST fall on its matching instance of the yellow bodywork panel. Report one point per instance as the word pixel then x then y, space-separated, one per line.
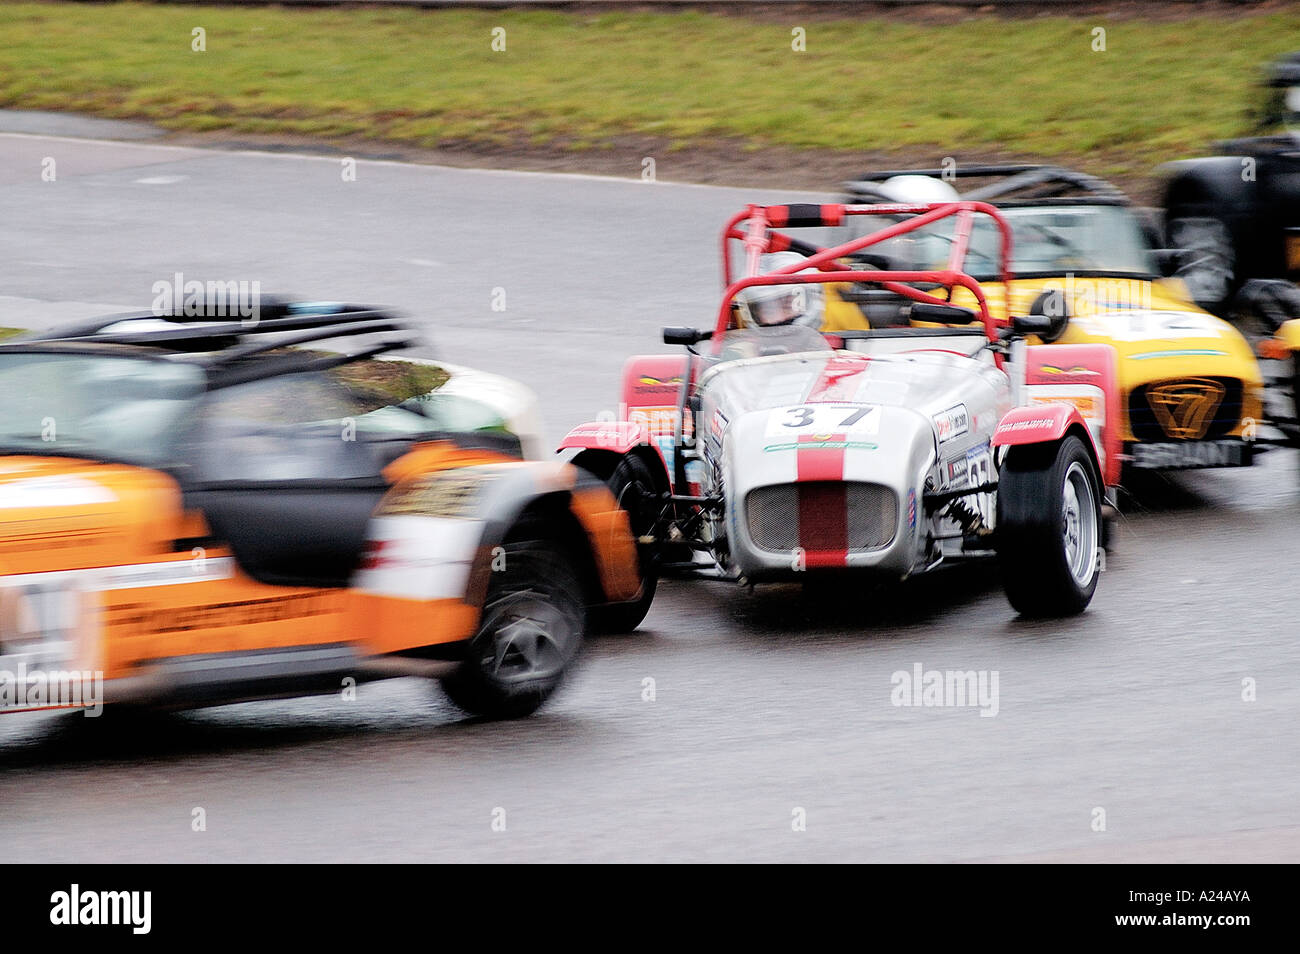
pixel 1158 334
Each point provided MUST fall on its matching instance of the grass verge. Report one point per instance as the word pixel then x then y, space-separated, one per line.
pixel 574 82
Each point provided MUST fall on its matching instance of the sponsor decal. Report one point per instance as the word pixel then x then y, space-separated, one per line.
pixel 979 464
pixel 1141 325
pixel 1175 456
pixel 911 509
pixel 1024 425
pixel 649 384
pixel 137 618
pixel 443 494
pixel 1087 406
pixel 717 423
pixel 1186 408
pixel 951 423
pixel 1179 353
pixel 821 444
pixel 660 420
pixel 957 472
pixel 1077 369
pixel 979 471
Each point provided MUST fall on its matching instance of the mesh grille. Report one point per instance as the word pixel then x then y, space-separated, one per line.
pixel 819 515
pixel 773 514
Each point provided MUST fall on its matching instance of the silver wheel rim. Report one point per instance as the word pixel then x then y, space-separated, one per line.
pixel 1079 524
pixel 524 638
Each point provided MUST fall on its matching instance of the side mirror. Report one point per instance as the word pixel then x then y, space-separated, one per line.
pixel 941 314
pixel 1169 260
pixel 685 336
pixel 1048 317
pixel 1025 325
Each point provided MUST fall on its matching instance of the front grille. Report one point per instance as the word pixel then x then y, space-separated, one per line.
pixel 822 515
pixel 1147 424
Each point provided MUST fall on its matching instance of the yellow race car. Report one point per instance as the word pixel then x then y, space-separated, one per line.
pixel 197 510
pixel 1046 240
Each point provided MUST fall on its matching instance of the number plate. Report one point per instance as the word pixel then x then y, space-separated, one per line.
pixel 40 621
pixel 827 419
pixel 1187 454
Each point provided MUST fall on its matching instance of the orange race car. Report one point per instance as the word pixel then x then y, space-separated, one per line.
pixel 197 510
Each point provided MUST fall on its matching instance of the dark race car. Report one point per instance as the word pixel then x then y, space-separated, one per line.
pixel 1238 211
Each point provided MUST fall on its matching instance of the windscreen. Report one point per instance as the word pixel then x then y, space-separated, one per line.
pixel 1046 241
pixel 96 406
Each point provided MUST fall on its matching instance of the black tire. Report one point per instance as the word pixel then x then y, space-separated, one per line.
pixel 531 629
pixel 1049 528
pixel 633 485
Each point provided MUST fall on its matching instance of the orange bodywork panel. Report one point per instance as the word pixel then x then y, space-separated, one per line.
pixel 104 554
pixel 612 545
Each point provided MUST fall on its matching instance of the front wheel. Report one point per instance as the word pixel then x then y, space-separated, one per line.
pixel 530 631
pixel 1049 528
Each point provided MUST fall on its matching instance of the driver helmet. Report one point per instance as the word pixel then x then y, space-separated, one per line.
pixel 916 190
pixel 771 306
pixel 917 249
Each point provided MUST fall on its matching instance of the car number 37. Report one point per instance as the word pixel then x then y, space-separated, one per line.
pixel 824 419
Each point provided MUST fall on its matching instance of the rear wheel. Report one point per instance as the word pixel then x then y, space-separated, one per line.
pixel 530 631
pixel 1049 528
pixel 633 485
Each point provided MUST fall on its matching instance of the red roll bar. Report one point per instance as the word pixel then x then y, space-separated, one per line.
pixel 761 237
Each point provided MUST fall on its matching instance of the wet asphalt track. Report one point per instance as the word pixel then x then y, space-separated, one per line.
pixel 765 702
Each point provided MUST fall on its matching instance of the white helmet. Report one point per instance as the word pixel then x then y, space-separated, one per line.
pixel 916 190
pixel 769 306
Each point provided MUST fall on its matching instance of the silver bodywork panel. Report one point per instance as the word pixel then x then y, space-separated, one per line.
pixel 863 437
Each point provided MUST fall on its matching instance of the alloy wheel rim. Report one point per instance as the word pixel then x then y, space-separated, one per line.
pixel 527 638
pixel 1079 524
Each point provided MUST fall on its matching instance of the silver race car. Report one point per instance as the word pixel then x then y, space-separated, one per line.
pixel 773 450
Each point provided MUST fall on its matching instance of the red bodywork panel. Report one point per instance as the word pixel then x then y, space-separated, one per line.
pixel 647 413
pixel 1035 425
pixel 1044 424
pixel 823 503
pixel 1066 373
pixel 617 436
pixel 652 381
